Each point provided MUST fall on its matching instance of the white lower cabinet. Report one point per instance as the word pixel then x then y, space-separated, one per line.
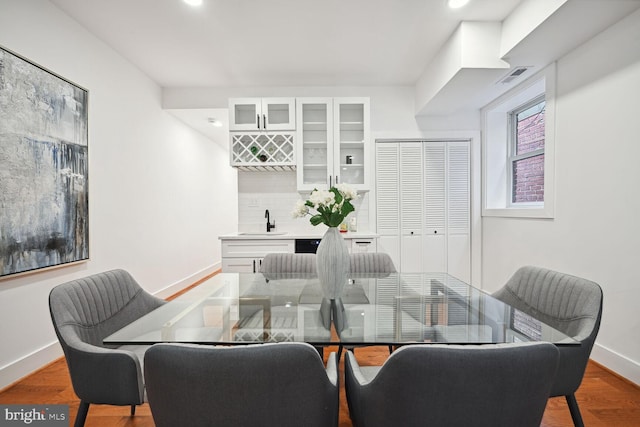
pixel 362 245
pixel 241 265
pixel 245 256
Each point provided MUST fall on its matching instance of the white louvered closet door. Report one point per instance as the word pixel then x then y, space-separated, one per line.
pixel 435 207
pixel 423 205
pixel 459 210
pixel 411 196
pixel 388 199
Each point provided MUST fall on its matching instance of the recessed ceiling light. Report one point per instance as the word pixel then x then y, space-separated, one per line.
pixel 193 2
pixel 214 122
pixel 456 4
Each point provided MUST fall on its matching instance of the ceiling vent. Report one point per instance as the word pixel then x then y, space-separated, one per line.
pixel 514 74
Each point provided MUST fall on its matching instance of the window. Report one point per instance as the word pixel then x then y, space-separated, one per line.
pixel 518 150
pixel 527 131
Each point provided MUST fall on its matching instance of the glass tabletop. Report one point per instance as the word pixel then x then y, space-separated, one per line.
pixel 390 309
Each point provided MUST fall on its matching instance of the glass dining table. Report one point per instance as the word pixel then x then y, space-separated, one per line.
pixel 375 309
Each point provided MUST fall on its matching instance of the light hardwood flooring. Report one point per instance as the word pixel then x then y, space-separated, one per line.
pixel 605 400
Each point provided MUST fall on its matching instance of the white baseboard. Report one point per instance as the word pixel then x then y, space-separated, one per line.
pixel 617 363
pixel 26 365
pixel 188 281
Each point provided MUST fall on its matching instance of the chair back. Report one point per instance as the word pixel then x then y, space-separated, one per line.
pixel 568 303
pixel 91 308
pixel 501 385
pixel 371 262
pixel 282 384
pixel 276 264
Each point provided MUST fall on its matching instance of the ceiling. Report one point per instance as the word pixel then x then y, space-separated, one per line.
pixel 246 45
pixel 279 42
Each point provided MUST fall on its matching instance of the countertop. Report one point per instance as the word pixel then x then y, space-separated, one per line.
pixel 276 235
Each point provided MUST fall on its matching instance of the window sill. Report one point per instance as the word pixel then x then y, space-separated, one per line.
pixel 532 212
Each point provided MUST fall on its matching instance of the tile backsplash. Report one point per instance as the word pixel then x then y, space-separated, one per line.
pixel 276 191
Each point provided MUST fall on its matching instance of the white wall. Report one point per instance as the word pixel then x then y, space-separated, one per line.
pixel 597 220
pixel 160 193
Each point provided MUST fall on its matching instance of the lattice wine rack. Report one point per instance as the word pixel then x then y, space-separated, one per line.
pixel 263 151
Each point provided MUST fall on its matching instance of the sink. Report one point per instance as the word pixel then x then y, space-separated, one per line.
pixel 261 233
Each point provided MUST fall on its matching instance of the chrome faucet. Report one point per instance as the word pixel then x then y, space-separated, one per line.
pixel 270 225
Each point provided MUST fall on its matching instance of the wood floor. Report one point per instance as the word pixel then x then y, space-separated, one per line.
pixel 605 400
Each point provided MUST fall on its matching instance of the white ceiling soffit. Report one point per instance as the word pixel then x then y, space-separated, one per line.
pixel 534 35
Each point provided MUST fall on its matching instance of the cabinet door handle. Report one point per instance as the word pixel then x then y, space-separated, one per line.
pixel 264 121
pixel 337 179
pixel 258 120
pixel 330 184
pixel 254 265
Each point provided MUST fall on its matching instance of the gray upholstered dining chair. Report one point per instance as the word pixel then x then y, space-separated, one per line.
pixel 570 304
pixel 492 385
pixel 282 384
pixel 84 312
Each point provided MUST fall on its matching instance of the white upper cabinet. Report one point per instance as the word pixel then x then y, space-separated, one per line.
pixel 262 114
pixel 333 142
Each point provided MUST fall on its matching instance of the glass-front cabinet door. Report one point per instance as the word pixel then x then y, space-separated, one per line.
pixel 315 142
pixel 244 113
pixel 264 114
pixel 351 142
pixel 278 114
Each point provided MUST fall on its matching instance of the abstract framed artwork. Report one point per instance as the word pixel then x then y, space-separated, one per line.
pixel 44 181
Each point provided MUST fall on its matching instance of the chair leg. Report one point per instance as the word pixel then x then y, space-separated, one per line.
pixel 81 417
pixel 575 411
pixel 133 410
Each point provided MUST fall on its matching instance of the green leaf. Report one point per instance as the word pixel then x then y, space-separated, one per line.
pixel 339 197
pixel 316 219
pixel 347 208
pixel 336 219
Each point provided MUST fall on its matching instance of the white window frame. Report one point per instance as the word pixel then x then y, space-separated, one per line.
pixel 513 150
pixel 496 149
